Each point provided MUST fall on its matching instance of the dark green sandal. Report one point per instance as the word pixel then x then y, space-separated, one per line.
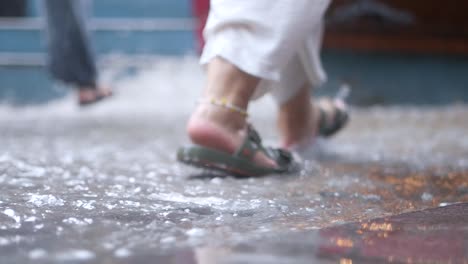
pixel 241 162
pixel 330 126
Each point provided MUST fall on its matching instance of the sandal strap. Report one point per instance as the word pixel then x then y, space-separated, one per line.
pixel 253 143
pixel 282 157
pixel 330 127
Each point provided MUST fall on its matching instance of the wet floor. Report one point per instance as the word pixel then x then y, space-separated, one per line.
pixel 102 185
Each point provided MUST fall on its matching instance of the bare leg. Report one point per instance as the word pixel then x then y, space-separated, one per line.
pixel 218 128
pixel 296 118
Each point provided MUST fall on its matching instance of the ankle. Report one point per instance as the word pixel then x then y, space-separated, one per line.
pixel 219 116
pixel 226 81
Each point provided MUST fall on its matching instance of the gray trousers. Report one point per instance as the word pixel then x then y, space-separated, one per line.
pixel 70 57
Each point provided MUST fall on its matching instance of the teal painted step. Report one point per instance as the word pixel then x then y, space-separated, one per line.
pixel 13 40
pixel 166 43
pixel 142 8
pixel 26 85
pixel 106 41
pixel 133 8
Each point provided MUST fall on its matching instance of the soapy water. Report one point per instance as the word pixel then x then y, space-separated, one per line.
pixel 103 183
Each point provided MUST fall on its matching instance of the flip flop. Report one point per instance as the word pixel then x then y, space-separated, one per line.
pixel 241 162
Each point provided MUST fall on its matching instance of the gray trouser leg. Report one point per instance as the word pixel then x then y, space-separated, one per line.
pixel 70 57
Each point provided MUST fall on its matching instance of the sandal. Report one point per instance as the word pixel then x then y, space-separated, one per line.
pixel 331 121
pixel 328 126
pixel 241 162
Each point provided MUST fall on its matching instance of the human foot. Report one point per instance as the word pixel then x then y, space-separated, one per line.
pixel 90 95
pixel 216 148
pixel 220 129
pixel 301 120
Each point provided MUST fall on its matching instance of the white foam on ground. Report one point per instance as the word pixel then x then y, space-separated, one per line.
pixel 75 255
pixel 37 253
pixel 179 198
pixel 211 201
pixel 76 221
pixel 12 214
pixel 45 200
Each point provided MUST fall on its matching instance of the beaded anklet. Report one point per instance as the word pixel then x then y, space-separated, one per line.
pixel 225 104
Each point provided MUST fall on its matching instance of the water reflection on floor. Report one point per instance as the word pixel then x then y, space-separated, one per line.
pixel 102 185
pixel 431 236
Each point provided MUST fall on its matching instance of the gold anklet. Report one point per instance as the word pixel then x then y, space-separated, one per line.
pixel 225 104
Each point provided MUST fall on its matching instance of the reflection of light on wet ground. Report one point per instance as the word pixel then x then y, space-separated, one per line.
pixel 377 226
pixel 108 174
pixel 346 261
pixel 431 236
pixel 344 242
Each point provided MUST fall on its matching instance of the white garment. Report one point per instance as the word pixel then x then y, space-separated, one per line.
pixel 276 40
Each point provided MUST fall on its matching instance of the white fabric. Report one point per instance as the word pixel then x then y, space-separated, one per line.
pixel 276 40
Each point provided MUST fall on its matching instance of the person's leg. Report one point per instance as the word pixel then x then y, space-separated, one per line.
pixel 70 57
pixel 296 119
pixel 243 46
pixel 300 118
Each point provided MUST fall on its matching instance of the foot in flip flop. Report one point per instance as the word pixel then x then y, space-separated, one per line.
pixel 224 142
pixel 301 119
pixel 89 95
pixel 332 116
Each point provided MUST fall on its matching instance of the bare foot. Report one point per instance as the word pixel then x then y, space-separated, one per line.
pixel 89 95
pixel 220 129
